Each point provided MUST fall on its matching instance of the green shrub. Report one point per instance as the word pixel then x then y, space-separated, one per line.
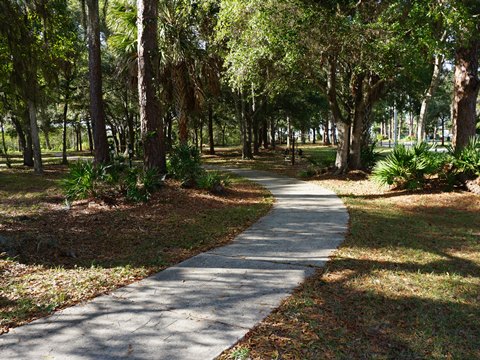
pixel 466 161
pixel 109 181
pixel 369 156
pixel 82 181
pixel 184 164
pixel 308 172
pixel 213 181
pixel 407 167
pixel 139 185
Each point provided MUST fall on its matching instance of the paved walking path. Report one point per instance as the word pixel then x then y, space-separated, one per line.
pixel 202 306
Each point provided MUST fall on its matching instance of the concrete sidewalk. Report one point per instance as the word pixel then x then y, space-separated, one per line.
pixel 202 306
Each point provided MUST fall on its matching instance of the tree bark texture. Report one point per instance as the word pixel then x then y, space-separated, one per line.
pixel 342 124
pixel 150 117
pixel 97 112
pixel 341 160
pixel 465 93
pixel 181 99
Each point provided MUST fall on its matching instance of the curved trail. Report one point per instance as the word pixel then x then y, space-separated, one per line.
pixel 202 306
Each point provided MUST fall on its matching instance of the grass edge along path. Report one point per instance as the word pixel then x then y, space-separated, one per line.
pixel 404 285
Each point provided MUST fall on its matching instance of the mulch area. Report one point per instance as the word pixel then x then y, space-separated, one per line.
pixel 63 256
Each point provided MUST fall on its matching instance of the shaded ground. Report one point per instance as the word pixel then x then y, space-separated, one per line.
pixel 404 285
pixel 61 257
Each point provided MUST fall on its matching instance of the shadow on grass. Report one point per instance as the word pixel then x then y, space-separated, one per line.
pixel 404 285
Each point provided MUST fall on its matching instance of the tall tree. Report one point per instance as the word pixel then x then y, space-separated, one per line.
pixel 150 116
pixel 466 80
pixel 97 112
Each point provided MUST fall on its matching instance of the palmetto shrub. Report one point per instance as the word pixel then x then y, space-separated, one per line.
pixel 407 168
pixel 184 164
pixel 213 181
pixel 83 181
pixel 109 182
pixel 466 161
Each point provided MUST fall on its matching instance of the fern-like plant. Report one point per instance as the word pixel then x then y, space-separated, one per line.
pixel 467 160
pixel 406 168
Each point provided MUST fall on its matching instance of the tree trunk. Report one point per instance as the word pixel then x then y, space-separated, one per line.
pixel 326 133
pixel 150 117
pixel 64 137
pixel 22 141
pixel 289 132
pixel 181 98
pixel 46 134
pixel 37 152
pixel 272 133
pixel 245 126
pixel 90 137
pixel 97 112
pixel 169 120
pixel 265 133
pixel 80 136
pixel 465 93
pixel 256 135
pixel 437 68
pixel 28 153
pixel 5 151
pixel 314 136
pixel 341 161
pixel 211 140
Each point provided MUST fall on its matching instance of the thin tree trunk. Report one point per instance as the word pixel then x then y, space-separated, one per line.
pixel 37 152
pixel 265 133
pixel 90 137
pixel 326 133
pixel 256 136
pixel 289 132
pixel 169 130
pixel 80 136
pixel 443 131
pixel 22 142
pixel 130 127
pixel 150 117
pixel 465 93
pixel 272 133
pixel 97 112
pixel 201 136
pixel 437 68
pixel 64 137
pixel 211 140
pixel 5 151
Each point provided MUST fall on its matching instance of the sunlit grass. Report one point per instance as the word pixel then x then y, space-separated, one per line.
pixel 405 284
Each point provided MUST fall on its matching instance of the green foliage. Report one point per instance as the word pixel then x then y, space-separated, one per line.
pixel 185 163
pixel 369 156
pixel 141 184
pixel 308 172
pixel 213 181
pixel 82 181
pixel 86 180
pixel 467 160
pixel 241 353
pixel 408 167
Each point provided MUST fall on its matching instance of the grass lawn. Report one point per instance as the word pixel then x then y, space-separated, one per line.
pixel 63 257
pixel 404 285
